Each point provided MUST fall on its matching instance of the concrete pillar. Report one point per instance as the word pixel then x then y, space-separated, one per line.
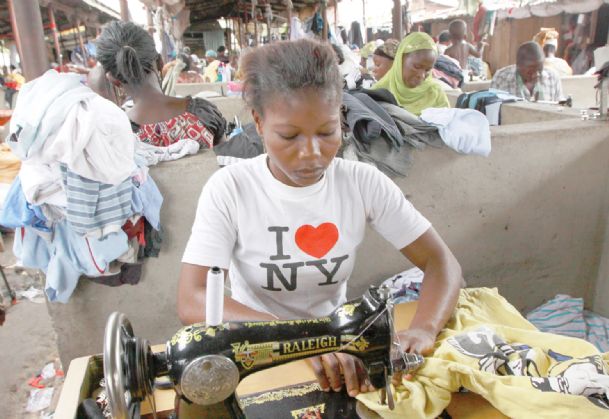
pixel 26 22
pixel 398 26
pixel 364 29
pixel 269 16
pixel 55 33
pixel 149 21
pixel 336 18
pixel 124 10
pixel 255 18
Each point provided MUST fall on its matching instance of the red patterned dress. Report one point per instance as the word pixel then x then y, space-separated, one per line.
pixel 200 122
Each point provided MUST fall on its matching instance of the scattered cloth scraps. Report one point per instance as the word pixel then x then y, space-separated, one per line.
pixel 32 294
pixel 151 155
pixel 405 286
pixel 565 315
pixel 39 399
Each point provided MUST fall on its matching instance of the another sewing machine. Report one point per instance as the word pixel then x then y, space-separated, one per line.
pixel 205 364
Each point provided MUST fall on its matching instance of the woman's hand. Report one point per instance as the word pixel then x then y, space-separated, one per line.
pixel 417 340
pixel 328 369
pixel 414 340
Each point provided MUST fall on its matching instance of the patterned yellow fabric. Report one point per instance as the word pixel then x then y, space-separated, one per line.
pixel 490 349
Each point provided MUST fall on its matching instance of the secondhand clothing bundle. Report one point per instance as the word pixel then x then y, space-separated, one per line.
pixel 488 348
pixel 377 131
pixel 79 187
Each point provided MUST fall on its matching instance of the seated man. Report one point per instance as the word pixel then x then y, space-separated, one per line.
pixel 528 78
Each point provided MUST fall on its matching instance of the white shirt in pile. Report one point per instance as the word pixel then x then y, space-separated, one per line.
pixel 290 250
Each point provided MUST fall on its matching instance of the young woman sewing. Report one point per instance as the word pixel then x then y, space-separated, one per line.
pixel 286 225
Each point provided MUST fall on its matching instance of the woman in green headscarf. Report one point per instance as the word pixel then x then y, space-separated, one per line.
pixel 409 78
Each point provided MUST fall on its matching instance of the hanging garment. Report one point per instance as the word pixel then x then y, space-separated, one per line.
pixel 48 98
pixel 428 94
pixel 488 348
pixel 171 77
pixel 66 255
pixel 466 131
pixel 96 209
pixel 368 121
pixel 147 201
pixel 154 240
pixel 297 30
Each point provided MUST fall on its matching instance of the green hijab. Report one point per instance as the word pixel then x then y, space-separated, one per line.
pixel 428 94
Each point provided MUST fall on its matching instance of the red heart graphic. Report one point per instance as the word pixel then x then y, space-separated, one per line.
pixel 317 241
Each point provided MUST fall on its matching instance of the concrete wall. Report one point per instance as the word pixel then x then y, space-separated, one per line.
pixel 530 219
pixel 185 89
pixel 580 88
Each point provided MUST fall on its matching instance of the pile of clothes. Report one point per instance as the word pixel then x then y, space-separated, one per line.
pixel 80 204
pixel 376 130
pixel 380 132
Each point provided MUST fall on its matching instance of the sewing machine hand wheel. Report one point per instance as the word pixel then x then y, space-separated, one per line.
pixel 126 358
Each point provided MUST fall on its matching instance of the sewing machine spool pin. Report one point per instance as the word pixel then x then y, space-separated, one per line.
pixel 205 364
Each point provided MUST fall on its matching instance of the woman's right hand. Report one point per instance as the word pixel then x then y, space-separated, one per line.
pixel 328 369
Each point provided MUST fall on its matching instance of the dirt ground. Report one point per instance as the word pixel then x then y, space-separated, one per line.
pixel 27 341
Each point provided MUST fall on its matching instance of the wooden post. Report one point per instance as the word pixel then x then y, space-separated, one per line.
pixel 255 32
pixel 81 42
pixel 290 7
pixel 269 16
pixel 336 18
pixel 324 16
pixel 364 30
pixel 255 18
pixel 124 10
pixel 240 29
pixel 26 22
pixel 55 33
pixel 398 26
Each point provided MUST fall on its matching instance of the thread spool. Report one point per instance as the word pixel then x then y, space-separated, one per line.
pixel 214 300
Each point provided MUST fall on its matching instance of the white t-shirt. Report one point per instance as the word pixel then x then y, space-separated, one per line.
pixel 290 250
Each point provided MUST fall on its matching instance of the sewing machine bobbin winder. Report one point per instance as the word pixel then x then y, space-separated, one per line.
pixel 205 364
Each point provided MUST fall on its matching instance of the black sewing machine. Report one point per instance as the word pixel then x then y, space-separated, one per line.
pixel 205 364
